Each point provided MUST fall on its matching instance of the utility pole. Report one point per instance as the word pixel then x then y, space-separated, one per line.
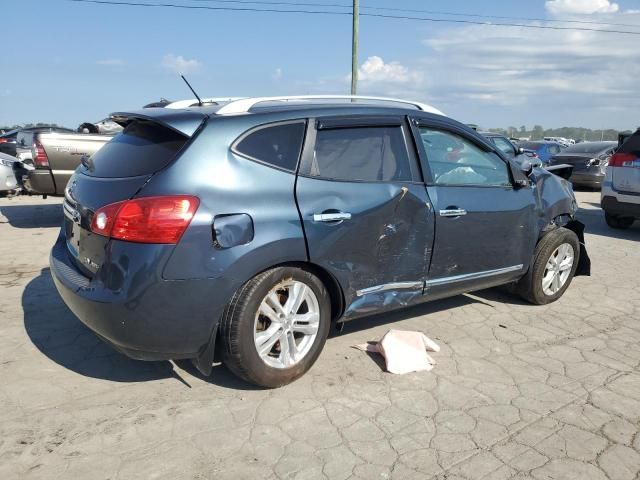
pixel 354 47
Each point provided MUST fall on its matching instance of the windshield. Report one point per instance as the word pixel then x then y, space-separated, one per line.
pixel 589 147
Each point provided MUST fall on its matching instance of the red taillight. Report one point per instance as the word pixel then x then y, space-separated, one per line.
pixel 40 158
pixel 147 219
pixel 622 160
pixel 3 140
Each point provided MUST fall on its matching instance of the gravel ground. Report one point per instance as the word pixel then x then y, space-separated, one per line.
pixel 518 392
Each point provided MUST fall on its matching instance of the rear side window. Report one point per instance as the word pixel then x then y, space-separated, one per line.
pixel 371 154
pixel 277 144
pixel 142 148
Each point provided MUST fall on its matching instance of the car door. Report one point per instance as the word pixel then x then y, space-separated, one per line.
pixel 485 228
pixel 365 210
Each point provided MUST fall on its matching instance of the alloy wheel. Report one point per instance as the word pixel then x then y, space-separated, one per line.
pixel 558 269
pixel 286 324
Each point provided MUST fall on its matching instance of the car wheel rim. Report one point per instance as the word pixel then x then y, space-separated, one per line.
pixel 558 269
pixel 286 324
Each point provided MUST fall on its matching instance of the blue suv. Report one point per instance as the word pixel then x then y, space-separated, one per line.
pixel 247 229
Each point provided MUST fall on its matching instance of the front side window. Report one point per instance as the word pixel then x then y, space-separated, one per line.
pixel 368 154
pixel 456 161
pixel 278 145
pixel 504 145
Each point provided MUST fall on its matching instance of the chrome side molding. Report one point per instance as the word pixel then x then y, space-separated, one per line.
pixel 473 276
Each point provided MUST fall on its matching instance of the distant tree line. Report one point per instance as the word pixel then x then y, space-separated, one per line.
pixel 577 133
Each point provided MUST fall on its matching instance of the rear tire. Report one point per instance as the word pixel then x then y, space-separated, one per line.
pixel 554 264
pixel 620 223
pixel 263 327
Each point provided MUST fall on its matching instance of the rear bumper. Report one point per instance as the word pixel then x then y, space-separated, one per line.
pixel 39 181
pixel 587 179
pixel 141 315
pixel 612 206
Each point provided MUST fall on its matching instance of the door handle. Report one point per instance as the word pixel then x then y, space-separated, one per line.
pixel 331 217
pixel 453 212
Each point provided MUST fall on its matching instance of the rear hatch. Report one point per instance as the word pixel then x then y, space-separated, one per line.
pixel 625 166
pixel 116 172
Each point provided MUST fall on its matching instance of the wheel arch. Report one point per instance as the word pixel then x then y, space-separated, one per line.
pixel 568 221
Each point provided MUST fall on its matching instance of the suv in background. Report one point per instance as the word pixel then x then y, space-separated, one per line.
pixel 544 149
pixel 249 228
pixel 620 197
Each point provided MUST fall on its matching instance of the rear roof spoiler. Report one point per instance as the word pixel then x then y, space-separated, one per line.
pixel 185 122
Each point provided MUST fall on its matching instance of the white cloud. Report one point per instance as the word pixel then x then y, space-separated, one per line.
pixel 111 62
pixel 277 74
pixel 375 70
pixel 179 64
pixel 581 6
pixel 483 73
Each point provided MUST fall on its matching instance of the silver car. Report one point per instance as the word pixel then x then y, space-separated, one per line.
pixel 7 178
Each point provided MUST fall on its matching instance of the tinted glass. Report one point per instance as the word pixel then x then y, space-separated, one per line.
pixel 632 144
pixel 141 149
pixel 372 154
pixel 456 161
pixel 532 145
pixel 278 145
pixel 590 147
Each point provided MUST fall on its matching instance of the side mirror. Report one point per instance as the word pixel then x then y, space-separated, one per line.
pixel 520 150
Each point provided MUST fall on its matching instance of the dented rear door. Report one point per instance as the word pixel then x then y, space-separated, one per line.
pixel 365 210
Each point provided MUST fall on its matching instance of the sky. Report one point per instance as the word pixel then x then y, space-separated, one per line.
pixel 69 62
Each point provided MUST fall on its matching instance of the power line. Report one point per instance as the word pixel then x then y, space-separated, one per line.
pixel 412 10
pixel 372 15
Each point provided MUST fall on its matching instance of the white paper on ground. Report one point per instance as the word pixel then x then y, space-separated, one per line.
pixel 404 351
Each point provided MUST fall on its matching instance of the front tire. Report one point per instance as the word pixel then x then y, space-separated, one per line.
pixel 275 326
pixel 554 264
pixel 620 223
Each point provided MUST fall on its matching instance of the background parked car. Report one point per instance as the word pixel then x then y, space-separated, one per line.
pixel 545 150
pixel 589 161
pixel 106 126
pixel 55 156
pixel 620 195
pixel 265 267
pixel 7 177
pixel 25 140
pixel 8 142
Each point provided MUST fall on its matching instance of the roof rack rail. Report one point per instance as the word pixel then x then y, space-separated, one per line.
pixel 245 104
pixel 194 102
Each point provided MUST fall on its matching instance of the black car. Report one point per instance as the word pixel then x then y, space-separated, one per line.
pixel 250 228
pixel 8 142
pixel 589 161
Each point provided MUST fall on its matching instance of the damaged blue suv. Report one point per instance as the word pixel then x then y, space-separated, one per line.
pixel 246 229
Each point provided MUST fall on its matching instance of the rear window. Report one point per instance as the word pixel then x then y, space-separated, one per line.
pixel 589 147
pixel 142 148
pixel 276 144
pixel 531 146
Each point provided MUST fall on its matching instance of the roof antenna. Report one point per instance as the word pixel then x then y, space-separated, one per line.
pixel 191 88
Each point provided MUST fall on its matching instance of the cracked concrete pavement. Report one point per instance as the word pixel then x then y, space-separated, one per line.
pixel 518 391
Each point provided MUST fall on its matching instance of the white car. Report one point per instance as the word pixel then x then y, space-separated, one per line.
pixel 620 198
pixel 7 177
